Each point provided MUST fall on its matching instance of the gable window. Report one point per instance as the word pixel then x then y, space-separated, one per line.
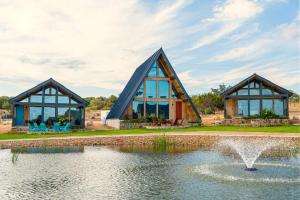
pixel 152 72
pixel 150 89
pixel 163 89
pixel 140 92
pixel 36 98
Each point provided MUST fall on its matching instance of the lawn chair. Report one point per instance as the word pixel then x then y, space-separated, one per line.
pixel 56 127
pixel 36 127
pixel 43 127
pixel 31 128
pixel 66 128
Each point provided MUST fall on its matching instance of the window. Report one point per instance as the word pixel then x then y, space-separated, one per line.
pixel 63 99
pixel 49 115
pixel 151 108
pixel 163 89
pixel 156 71
pixel 267 104
pixel 137 109
pixel 254 107
pixel 278 107
pixel 50 99
pixel 174 96
pixel 160 72
pixel 163 110
pixel 243 92
pixel 152 72
pixel 266 91
pixel 140 92
pixel 254 91
pixel 75 115
pixel 254 85
pixel 24 100
pixel 73 101
pixel 243 107
pixel 150 89
pixel 63 111
pixel 35 114
pixel 36 98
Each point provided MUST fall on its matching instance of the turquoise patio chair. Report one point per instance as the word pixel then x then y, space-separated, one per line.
pixel 66 128
pixel 43 127
pixel 31 128
pixel 36 127
pixel 56 127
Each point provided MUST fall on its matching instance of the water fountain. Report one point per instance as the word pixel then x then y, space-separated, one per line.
pixel 250 150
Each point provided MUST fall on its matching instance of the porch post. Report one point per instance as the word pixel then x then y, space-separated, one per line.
pixel 248 98
pixel 83 117
pixel 287 106
pixel 225 112
pixel 13 114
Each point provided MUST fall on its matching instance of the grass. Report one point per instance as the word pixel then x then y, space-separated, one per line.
pixel 274 129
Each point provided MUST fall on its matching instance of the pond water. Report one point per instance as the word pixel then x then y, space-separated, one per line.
pixel 107 173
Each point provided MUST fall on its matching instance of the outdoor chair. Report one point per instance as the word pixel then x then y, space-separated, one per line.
pixel 31 128
pixel 36 127
pixel 66 128
pixel 56 127
pixel 43 127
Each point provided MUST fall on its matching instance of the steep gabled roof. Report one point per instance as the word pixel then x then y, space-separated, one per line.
pixel 49 82
pixel 257 78
pixel 136 81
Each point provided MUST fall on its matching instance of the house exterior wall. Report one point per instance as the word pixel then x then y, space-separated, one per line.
pixel 231 107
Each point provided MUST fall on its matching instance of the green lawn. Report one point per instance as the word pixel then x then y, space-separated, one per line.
pixel 275 129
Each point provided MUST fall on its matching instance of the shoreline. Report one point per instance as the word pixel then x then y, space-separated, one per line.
pixel 177 138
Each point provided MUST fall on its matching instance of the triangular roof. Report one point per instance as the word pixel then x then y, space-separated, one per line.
pixel 257 78
pixel 136 81
pixel 49 82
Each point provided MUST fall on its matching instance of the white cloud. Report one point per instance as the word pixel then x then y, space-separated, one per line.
pixel 187 78
pixel 283 36
pixel 85 43
pixel 229 16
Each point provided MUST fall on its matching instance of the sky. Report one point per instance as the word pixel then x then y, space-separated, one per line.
pixel 93 46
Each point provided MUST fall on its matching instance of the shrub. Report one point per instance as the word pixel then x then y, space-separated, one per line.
pixel 209 111
pixel 268 114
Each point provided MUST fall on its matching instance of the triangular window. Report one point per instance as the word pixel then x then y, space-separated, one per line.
pixel 140 92
pixel 173 95
pixel 73 101
pixel 152 72
pixel 156 71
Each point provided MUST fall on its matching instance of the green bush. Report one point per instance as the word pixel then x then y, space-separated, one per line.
pixel 209 111
pixel 268 114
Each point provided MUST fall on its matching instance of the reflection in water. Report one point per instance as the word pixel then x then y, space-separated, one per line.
pixel 49 149
pixel 107 173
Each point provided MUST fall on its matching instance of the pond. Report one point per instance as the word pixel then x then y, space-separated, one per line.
pixel 108 173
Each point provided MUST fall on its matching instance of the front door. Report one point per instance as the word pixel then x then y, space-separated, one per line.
pixel 178 110
pixel 19 115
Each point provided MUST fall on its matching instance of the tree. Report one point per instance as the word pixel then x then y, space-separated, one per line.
pixel 208 103
pixel 4 103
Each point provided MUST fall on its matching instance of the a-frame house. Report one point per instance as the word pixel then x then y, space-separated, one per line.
pixel 154 90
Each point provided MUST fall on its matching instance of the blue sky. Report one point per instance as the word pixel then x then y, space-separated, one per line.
pixel 93 47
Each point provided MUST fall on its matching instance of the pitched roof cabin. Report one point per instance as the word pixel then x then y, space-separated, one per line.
pixel 47 102
pixel 254 94
pixel 154 90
